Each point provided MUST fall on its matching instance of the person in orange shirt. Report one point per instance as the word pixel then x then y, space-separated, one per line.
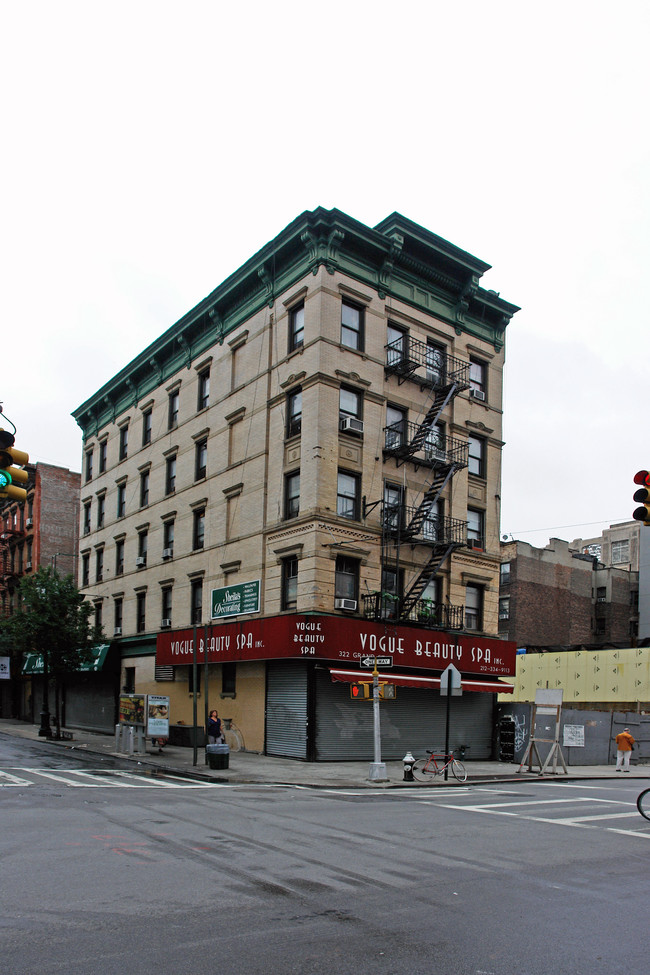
pixel 624 742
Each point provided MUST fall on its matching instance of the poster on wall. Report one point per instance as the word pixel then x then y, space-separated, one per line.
pixel 5 668
pixel 131 710
pixel 157 716
pixel 574 735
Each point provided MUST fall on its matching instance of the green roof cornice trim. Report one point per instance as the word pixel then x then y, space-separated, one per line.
pixel 397 258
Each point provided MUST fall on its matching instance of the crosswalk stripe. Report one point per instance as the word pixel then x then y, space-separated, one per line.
pixel 12 780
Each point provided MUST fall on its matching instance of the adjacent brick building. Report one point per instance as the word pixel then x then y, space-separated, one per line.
pixel 42 531
pixel 554 596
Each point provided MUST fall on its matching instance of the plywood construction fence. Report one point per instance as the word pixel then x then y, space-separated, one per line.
pixel 588 677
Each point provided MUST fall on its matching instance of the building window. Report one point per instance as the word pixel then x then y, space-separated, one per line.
pixel 168 538
pixel 477 379
pixel 346 580
pixel 352 326
pixel 475 528
pixel 621 551
pixel 117 617
pixel 196 595
pixel 147 417
pixel 99 564
pixel 172 415
pixel 348 495
pixel 504 574
pixel 98 615
pixel 290 582
pixel 143 545
pixel 601 594
pixel 296 327
pixel 124 442
pixel 101 510
pixel 89 465
pixel 103 454
pixel 504 608
pixel 476 462
pixel 200 459
pixel 390 593
pixel 121 500
pixel 436 364
pixel 87 515
pixel 144 489
pixel 292 495
pixel 198 529
pixel 350 410
pixel 85 569
pixel 397 345
pixel 203 397
pixel 393 506
pixel 141 612
pixel 395 427
pixel 473 607
pixel 228 679
pixel 166 604
pixel 170 475
pixel 119 557
pixel 294 413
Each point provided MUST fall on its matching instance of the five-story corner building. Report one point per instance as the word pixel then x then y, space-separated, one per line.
pixel 302 471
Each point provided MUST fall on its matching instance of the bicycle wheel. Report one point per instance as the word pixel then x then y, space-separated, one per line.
pixel 458 770
pixel 423 772
pixel 643 803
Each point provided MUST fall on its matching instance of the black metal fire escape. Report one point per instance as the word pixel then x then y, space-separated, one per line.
pixel 423 445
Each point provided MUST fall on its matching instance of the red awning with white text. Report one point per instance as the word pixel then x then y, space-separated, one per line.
pixel 415 680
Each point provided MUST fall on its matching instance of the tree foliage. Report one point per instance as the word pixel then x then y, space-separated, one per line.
pixel 53 619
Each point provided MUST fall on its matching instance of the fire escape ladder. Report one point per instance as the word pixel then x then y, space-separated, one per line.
pixel 439 556
pixel 440 400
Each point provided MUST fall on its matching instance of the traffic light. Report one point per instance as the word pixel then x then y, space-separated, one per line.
pixel 11 475
pixel 359 690
pixel 642 497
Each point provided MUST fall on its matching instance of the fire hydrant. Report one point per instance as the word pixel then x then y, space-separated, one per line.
pixel 408 767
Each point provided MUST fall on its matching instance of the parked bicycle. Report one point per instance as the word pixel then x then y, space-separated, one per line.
pixel 643 803
pixel 426 768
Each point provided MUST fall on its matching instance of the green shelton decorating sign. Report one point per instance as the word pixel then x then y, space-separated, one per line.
pixel 236 600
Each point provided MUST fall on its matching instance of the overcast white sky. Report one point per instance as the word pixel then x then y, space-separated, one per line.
pixel 150 148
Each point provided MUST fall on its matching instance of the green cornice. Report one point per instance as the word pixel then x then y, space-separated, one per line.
pixel 398 259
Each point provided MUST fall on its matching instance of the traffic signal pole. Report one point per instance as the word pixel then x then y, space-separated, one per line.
pixel 377 768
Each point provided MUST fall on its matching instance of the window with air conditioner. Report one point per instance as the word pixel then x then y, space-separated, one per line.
pixel 475 528
pixel 477 379
pixel 350 410
pixel 346 583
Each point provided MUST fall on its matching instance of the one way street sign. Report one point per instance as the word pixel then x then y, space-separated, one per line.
pixel 381 661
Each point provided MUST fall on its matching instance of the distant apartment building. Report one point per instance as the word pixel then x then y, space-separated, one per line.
pixel 41 531
pixel 301 471
pixel 555 596
pixel 618 546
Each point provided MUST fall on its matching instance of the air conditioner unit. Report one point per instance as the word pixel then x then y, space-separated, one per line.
pixel 165 624
pixel 350 424
pixel 476 543
pixel 117 631
pixel 168 553
pixel 28 566
pixel 140 561
pixel 435 453
pixel 477 394
pixel 348 604
pixel 29 522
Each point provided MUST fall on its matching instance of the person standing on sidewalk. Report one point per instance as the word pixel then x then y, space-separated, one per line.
pixel 624 742
pixel 215 730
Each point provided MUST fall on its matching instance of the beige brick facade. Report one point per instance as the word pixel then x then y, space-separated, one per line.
pixel 251 452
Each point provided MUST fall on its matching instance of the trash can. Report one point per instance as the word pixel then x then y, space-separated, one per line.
pixel 218 756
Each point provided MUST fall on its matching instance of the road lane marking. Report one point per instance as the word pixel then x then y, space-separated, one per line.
pixel 12 780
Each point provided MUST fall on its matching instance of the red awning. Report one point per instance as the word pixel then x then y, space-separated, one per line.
pixel 415 680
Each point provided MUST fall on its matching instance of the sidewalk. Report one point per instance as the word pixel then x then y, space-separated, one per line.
pixel 250 767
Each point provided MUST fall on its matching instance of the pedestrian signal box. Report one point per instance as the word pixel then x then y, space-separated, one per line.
pixel 359 691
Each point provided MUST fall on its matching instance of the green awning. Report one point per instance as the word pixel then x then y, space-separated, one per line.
pixel 33 663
